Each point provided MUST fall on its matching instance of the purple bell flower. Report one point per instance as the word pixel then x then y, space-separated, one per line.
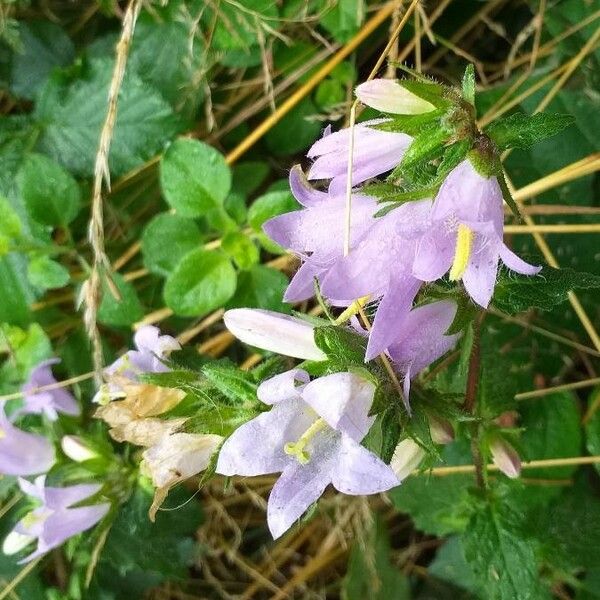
pixel 465 236
pixel 380 266
pixel 312 436
pixel 375 152
pixel 22 453
pixel 55 521
pixel 316 233
pixel 151 350
pixel 48 402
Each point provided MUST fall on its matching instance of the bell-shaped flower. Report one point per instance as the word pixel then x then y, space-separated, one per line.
pixel 51 401
pixel 465 236
pixel 389 96
pixel 148 357
pixel 423 339
pixel 374 152
pixel 56 519
pixel 312 436
pixel 505 457
pixel 380 266
pixel 274 332
pixel 22 453
pixel 316 233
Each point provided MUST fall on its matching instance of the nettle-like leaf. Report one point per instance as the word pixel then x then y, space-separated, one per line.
pixel 237 385
pixel 523 131
pixel 343 347
pixel 502 557
pixel 516 293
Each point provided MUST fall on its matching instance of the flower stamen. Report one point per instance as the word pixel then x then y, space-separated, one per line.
pixel 297 449
pixel 462 253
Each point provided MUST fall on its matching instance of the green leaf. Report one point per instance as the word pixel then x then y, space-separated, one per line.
pixel 371 573
pixel 237 385
pixel 120 312
pixel 341 345
pixel 523 131
pixel 436 93
pixel 592 429
pixel 343 19
pixel 468 84
pixel 502 558
pixel 44 46
pixel 241 249
pixel 166 240
pixel 249 176
pixel 517 293
pixel 450 565
pixel 51 194
pixel 10 226
pixel 14 306
pixel 194 177
pixel 202 281
pixel 72 108
pixel 410 124
pixel 260 287
pixel 47 274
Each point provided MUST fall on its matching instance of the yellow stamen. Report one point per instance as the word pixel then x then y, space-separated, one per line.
pixel 297 449
pixel 464 247
pixel 353 309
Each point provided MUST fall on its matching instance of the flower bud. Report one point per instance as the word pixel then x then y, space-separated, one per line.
pixel 389 96
pixel 505 457
pixel 441 430
pixel 274 332
pixel 15 542
pixel 76 449
pixel 407 457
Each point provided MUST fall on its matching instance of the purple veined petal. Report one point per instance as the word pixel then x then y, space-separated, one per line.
pixel 256 447
pixel 62 525
pixel 479 277
pixel 23 453
pixel 61 498
pixel 435 253
pixel 514 263
pixel 285 386
pixel 358 471
pixel 302 190
pixel 423 340
pixel 297 488
pixel 391 314
pixel 343 400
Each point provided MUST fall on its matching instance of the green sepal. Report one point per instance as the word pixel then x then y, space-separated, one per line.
pixel 468 84
pixel 410 124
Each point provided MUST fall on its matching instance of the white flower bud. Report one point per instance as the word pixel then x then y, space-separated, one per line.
pixel 15 542
pixel 505 457
pixel 388 96
pixel 76 449
pixel 274 332
pixel 407 457
pixel 441 430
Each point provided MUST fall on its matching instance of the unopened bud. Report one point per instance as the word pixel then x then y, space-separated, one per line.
pixel 15 542
pixel 76 449
pixel 505 457
pixel 441 430
pixel 274 332
pixel 389 96
pixel 407 457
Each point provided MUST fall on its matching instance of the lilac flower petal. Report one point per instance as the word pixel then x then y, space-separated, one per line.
pixel 297 488
pixel 61 498
pixel 62 525
pixel 256 447
pixel 514 263
pixel 343 400
pixel 338 141
pixel 23 453
pixel 434 255
pixel 423 338
pixel 35 489
pixel 302 190
pixel 390 316
pixel 358 471
pixel 285 386
pixel 406 388
pixel 41 374
pixel 302 285
pixel 479 277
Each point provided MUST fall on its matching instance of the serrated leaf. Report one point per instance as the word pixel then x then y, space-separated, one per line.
pixel 516 293
pixel 194 177
pixel 237 385
pixel 341 345
pixel 502 559
pixel 202 281
pixel 71 110
pixel 409 124
pixel 50 192
pixel 523 131
pixel 428 90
